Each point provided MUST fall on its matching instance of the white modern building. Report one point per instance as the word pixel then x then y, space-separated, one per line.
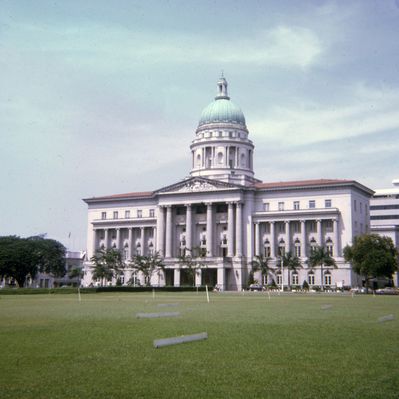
pixel 229 215
pixel 384 215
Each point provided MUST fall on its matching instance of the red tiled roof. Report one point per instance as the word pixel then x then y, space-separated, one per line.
pixel 139 194
pixel 301 183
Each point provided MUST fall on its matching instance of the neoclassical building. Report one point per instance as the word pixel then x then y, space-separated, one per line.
pixel 225 216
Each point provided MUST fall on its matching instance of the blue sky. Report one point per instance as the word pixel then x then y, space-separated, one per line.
pixel 101 97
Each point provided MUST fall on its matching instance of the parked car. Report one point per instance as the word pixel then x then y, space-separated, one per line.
pixel 387 291
pixel 256 287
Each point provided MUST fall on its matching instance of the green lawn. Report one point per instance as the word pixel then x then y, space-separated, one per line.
pixel 290 346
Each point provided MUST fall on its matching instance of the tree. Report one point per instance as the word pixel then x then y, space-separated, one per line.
pixel 320 257
pixel 292 263
pixel 21 258
pixel 372 256
pixel 107 264
pixel 260 263
pixel 147 265
pixel 190 263
pixel 76 272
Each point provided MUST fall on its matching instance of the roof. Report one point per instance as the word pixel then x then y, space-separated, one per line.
pixel 139 194
pixel 301 183
pixel 316 183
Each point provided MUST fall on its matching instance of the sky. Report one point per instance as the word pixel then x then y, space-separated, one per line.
pixel 100 97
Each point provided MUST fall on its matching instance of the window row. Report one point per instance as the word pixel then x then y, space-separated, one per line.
pixel 296 205
pixel 295 279
pixel 222 134
pixel 139 214
pixel 297 251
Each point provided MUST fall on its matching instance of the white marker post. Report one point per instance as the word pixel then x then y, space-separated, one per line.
pixel 207 293
pixel 268 293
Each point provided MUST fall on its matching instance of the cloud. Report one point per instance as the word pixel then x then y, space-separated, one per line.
pixel 367 110
pixel 288 46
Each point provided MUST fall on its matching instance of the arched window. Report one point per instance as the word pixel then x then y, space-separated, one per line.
pixel 138 248
pixel 199 160
pixel 313 245
pixel 266 245
pixel 220 157
pixel 243 161
pixel 281 248
pixel 329 247
pixel 327 278
pixel 297 246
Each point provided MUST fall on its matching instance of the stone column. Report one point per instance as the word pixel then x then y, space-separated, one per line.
pixel 161 231
pixel 130 238
pixel 118 238
pixel 154 238
pixel 176 275
pixel 142 232
pixel 319 233
pixel 168 249
pixel 257 239
pixel 221 278
pixel 239 229
pixel 94 248
pixel 230 230
pixel 189 228
pixel 106 238
pixel 209 230
pixel 287 236
pixel 198 277
pixel 303 239
pixel 336 238
pixel 272 240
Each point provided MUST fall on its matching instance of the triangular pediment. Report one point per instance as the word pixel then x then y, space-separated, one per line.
pixel 197 184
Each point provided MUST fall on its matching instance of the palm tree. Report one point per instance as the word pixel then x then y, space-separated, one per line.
pixel 292 263
pixel 321 257
pixel 260 263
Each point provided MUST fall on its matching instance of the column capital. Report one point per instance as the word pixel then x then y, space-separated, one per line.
pixel 208 204
pixel 238 203
pixel 189 205
pixel 168 207
pixel 287 221
pixel 272 221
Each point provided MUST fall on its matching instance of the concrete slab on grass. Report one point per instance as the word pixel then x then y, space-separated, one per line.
pixel 159 343
pixel 167 305
pixel 157 315
pixel 388 317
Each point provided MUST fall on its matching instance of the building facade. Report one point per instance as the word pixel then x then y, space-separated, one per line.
pixel 225 216
pixel 384 215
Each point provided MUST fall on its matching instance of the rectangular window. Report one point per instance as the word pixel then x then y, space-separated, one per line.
pixel 311 279
pixel 281 227
pixel 266 206
pixel 139 213
pixel 298 251
pixel 355 205
pixel 115 214
pixel 312 226
pixel 312 204
pixel 295 279
pixel 127 214
pixel 281 206
pixel 152 213
pixel 295 226
pixel 103 215
pixel 327 203
pixel 267 252
pixel 361 207
pixel 296 205
pixel 279 279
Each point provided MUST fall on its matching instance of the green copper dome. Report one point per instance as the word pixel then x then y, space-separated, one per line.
pixel 222 109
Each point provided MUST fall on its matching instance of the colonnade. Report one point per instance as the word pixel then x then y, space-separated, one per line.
pixel 128 235
pixel 166 223
pixel 302 236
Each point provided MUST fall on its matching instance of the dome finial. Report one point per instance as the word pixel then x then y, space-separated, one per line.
pixel 222 88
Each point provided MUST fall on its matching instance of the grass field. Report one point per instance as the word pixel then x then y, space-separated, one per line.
pixel 291 346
